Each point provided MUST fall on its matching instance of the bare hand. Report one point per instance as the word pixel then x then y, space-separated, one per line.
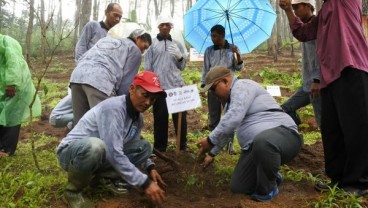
pixel 10 91
pixel 235 49
pixel 156 177
pixel 155 193
pixel 202 94
pixel 203 146
pixel 315 90
pixel 208 161
pixel 285 5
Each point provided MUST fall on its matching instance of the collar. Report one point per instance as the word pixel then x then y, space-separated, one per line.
pixel 102 24
pixel 132 113
pixel 160 37
pixel 217 47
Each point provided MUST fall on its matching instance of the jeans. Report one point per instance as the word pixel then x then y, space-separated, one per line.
pixel 300 99
pixel 88 154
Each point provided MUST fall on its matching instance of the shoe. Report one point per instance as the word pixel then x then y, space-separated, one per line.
pixel 323 187
pixel 267 197
pixel 279 178
pixel 116 187
pixel 355 191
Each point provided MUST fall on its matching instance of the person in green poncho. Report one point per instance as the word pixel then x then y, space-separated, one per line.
pixel 16 94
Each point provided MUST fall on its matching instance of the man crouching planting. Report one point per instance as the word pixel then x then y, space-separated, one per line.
pixel 107 140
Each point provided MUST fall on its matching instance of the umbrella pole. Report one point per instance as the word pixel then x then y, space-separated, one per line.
pixel 231 35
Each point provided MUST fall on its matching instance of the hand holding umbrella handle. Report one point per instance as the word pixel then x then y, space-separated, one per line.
pixel 237 56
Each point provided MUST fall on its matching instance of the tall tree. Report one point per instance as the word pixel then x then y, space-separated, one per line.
pixel 59 18
pixel 86 9
pixel 43 32
pixel 172 7
pixel 78 4
pixel 29 30
pixel 96 6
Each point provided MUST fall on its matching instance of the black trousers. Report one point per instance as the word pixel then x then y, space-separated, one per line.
pixel 9 136
pixel 344 128
pixel 161 125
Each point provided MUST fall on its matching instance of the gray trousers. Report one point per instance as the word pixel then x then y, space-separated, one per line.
pixel 257 167
pixel 84 97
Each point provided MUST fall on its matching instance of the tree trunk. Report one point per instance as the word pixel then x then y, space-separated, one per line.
pixel 85 13
pixel 148 17
pixel 318 6
pixel 189 4
pixel 78 4
pixel 60 17
pixel 29 31
pixel 172 7
pixel 365 7
pixel 278 27
pixel 43 32
pixel 96 5
pixel 272 41
pixel 157 12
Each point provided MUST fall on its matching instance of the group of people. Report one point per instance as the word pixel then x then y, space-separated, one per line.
pixel 108 97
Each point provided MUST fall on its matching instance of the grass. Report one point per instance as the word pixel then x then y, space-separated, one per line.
pixel 22 185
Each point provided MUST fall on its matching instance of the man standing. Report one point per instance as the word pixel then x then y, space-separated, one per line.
pixel 166 58
pixel 342 53
pixel 220 54
pixel 109 136
pixel 309 92
pixel 16 94
pixel 94 31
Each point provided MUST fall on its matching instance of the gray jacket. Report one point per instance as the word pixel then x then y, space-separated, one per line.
pixel 310 64
pixel 248 113
pixel 214 56
pixel 109 66
pixel 109 121
pixel 167 68
pixel 92 32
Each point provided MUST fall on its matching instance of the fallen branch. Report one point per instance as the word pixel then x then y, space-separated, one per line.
pixel 172 162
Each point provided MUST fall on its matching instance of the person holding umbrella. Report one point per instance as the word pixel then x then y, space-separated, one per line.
pixel 267 136
pixel 220 53
pixel 166 57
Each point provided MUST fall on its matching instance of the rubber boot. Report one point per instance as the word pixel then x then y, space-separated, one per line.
pixel 77 181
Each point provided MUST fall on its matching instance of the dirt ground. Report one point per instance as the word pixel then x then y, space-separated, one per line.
pixel 212 192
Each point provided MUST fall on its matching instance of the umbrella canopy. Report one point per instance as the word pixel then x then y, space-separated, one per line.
pixel 247 23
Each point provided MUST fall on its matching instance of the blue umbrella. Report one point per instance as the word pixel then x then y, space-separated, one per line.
pixel 247 23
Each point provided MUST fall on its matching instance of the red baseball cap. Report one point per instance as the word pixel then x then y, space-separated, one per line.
pixel 149 81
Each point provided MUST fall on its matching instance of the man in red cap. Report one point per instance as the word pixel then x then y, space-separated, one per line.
pixel 108 138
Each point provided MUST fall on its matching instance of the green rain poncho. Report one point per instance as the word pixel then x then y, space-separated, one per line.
pixel 14 71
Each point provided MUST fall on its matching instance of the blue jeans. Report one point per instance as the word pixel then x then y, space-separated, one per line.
pixel 300 99
pixel 88 154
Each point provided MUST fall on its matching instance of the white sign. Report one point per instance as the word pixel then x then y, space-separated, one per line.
pixel 182 99
pixel 194 55
pixel 274 90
